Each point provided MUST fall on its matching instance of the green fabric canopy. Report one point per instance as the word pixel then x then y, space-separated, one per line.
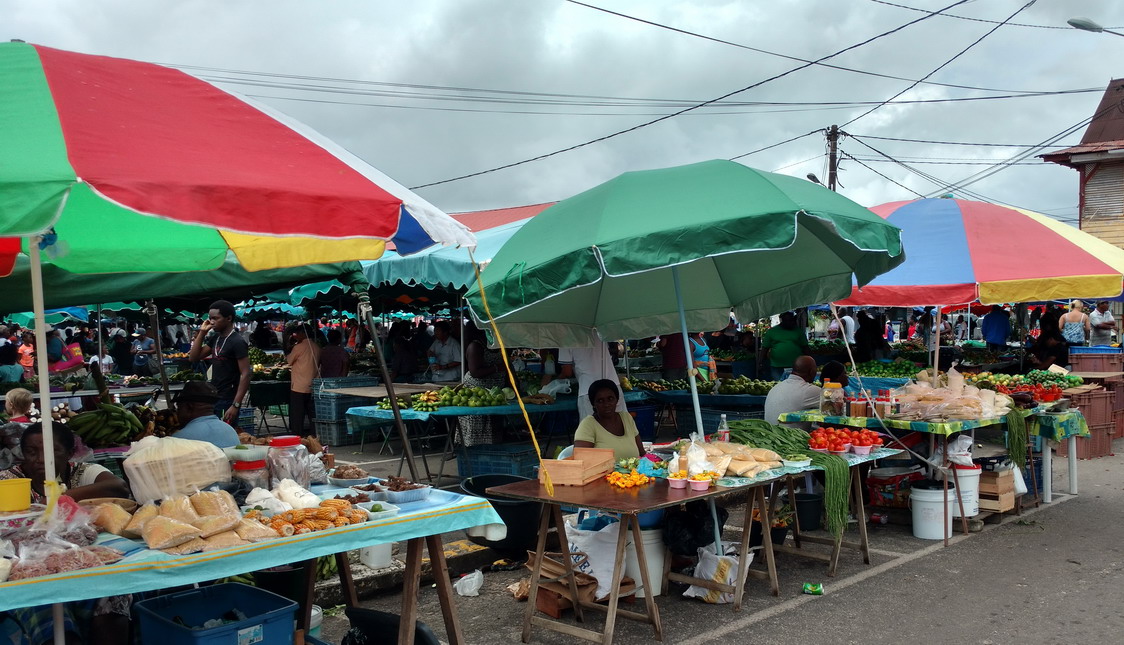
pixel 740 238
pixel 192 290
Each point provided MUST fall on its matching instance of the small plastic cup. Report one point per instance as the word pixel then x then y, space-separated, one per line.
pixel 861 450
pixel 676 482
pixel 15 495
pixel 697 484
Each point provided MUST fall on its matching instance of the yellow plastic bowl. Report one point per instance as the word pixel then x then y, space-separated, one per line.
pixel 15 495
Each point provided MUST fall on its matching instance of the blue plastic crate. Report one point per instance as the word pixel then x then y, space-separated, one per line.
pixel 500 459
pixel 334 432
pixel 685 418
pixel 270 618
pixel 1096 349
pixel 645 418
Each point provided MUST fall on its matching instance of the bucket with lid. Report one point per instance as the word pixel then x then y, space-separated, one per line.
pixel 929 501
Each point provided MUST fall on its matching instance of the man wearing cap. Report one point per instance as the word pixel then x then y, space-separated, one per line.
pixel 195 410
pixel 143 348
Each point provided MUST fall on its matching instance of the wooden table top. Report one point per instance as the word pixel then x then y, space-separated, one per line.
pixel 602 496
pixel 1098 375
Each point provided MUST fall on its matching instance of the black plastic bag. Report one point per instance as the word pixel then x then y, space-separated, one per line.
pixel 688 529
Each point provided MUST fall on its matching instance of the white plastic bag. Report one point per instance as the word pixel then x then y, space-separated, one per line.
pixel 600 551
pixel 715 568
pixel 162 467
pixel 697 460
pixel 959 451
pixel 556 387
pixel 469 585
pixel 1020 483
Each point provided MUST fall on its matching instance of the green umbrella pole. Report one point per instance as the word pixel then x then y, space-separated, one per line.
pixel 154 323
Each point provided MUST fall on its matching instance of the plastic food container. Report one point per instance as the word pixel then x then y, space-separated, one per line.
pixel 15 494
pixel 407 496
pixel 288 459
pixel 254 473
pixel 388 510
pixel 700 484
pixel 343 482
pixel 861 450
pixel 677 482
pixel 802 463
pixel 246 452
pixel 839 452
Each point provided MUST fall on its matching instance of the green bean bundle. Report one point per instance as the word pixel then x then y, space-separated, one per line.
pixel 1016 437
pixel 785 440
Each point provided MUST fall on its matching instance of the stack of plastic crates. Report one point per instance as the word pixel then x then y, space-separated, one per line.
pixel 331 408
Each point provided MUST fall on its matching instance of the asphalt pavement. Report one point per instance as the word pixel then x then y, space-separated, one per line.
pixel 1052 575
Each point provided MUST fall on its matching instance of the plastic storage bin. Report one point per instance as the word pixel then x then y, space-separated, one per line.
pixel 500 459
pixel 269 616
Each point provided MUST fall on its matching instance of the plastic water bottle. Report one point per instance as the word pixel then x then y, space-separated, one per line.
pixel 723 431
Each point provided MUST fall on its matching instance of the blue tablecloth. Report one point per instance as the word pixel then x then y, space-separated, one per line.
pixel 563 404
pixel 874 384
pixel 723 401
pixel 145 570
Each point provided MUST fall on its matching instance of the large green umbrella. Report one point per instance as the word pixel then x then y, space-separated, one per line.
pixel 740 238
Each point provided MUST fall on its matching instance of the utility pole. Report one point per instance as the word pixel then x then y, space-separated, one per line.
pixel 832 156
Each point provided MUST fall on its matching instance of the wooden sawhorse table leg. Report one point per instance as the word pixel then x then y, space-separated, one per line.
pixel 836 544
pixel 411 583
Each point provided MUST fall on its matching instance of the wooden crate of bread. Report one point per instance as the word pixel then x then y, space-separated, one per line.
pixel 583 467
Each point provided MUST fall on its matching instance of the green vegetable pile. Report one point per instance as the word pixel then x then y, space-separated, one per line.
pixel 791 441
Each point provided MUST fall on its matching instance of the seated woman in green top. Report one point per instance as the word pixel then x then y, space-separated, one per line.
pixel 607 428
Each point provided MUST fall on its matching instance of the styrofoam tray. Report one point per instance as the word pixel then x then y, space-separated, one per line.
pixel 388 510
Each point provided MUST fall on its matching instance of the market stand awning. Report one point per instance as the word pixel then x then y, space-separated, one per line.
pixel 191 290
pixel 965 251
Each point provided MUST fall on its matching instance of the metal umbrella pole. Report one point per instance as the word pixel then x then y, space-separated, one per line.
pixel 369 319
pixel 154 322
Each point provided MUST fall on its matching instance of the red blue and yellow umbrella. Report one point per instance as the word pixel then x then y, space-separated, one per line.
pixel 959 251
pixel 139 167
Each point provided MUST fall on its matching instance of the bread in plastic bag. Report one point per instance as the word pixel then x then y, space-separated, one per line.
pixel 215 524
pixel 140 517
pixel 194 545
pixel 111 518
pixel 254 531
pixel 214 502
pixel 160 467
pixel 179 507
pixel 163 532
pixel 223 540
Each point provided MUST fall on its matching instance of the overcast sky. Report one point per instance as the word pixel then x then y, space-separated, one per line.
pixel 487 63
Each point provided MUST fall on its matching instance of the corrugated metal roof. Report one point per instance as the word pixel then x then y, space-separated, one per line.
pixel 1105 131
pixel 481 220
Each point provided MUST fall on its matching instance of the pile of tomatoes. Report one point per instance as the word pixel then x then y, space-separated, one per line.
pixel 841 439
pixel 1041 392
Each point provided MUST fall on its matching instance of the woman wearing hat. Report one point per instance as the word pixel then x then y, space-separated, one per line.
pixel 195 410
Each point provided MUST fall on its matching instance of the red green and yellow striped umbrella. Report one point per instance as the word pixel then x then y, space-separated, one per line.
pixel 960 251
pixel 139 167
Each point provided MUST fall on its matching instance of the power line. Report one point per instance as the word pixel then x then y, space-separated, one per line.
pixel 689 109
pixel 772 53
pixel 797 163
pixel 956 143
pixel 901 185
pixel 951 15
pixel 775 145
pixel 962 163
pixel 944 64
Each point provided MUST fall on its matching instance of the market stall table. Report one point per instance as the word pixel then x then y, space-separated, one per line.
pixel 448 412
pixel 147 570
pixel 1055 426
pixel 601 496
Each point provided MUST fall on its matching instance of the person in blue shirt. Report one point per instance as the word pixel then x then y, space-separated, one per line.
pixel 195 410
pixel 996 327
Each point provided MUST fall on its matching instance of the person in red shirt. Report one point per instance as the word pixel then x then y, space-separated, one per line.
pixel 674 357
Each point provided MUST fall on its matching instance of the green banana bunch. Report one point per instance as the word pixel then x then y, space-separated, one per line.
pixel 108 425
pixel 326 567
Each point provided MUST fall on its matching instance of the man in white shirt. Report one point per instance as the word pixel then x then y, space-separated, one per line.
pixel 794 394
pixel 587 364
pixel 1102 324
pixel 445 354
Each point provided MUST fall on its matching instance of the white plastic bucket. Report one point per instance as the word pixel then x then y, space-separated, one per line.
pixel 376 557
pixel 654 551
pixel 969 478
pixel 315 621
pixel 929 518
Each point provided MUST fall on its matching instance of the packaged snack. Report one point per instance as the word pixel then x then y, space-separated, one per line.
pixel 139 519
pixel 164 532
pixel 111 518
